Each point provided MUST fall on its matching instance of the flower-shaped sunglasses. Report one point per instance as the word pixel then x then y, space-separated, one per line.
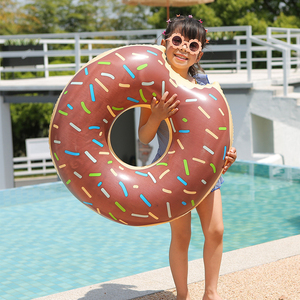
pixel 177 41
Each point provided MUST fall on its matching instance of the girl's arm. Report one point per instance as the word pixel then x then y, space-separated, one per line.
pixel 150 119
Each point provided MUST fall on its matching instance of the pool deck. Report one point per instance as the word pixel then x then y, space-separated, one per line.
pixel 152 282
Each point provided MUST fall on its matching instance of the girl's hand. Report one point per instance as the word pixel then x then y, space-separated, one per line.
pixel 163 108
pixel 230 159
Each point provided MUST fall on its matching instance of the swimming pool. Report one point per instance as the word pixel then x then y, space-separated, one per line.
pixel 51 243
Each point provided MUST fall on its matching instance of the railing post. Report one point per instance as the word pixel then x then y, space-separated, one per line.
pixel 46 61
pixel 249 52
pixel 77 52
pixel 238 54
pixel 288 40
pixel 269 53
pixel 285 71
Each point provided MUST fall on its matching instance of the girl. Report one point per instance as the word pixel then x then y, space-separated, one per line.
pixel 185 37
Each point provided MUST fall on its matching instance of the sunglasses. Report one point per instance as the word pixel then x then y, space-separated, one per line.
pixel 177 41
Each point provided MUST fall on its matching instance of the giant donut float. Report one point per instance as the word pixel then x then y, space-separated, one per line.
pixel 200 134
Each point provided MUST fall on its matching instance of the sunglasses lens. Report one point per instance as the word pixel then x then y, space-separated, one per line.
pixel 194 46
pixel 176 40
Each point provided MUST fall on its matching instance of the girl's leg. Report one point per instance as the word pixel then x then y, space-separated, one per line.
pixel 210 213
pixel 181 235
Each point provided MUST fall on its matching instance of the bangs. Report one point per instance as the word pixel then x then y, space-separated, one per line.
pixel 189 30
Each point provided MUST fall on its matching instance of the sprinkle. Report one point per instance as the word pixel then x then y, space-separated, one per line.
pixel 105 121
pixel 184 203
pixel 148 83
pixel 109 162
pixel 75 127
pixel 98 210
pixel 152 177
pixel 203 181
pixel 56 142
pixel 135 186
pixel 94 174
pixel 204 112
pixel 222 128
pixel 129 71
pixel 180 145
pixel 88 194
pixel 55 126
pixel 72 153
pixel 86 71
pixel 225 149
pixel 63 113
pixel 220 110
pixel 193 202
pixel 213 167
pixel 94 127
pixel 111 112
pixel 65 92
pixel 108 75
pixel 121 168
pixel 162 164
pixel 76 83
pixel 167 191
pixel 211 133
pixel 84 108
pixel 120 56
pixel 163 174
pixel 120 206
pixel 171 152
pixel 208 150
pixel 191 100
pixel 67 182
pixel 104 63
pixel 151 52
pixel 172 124
pixel 99 184
pixel 123 188
pixel 141 55
pixel 198 160
pixel 169 210
pixel 186 167
pixel 62 166
pixel 145 200
pixel 101 84
pixel 181 180
pixel 184 131
pixel 87 203
pixel 213 96
pixel 77 174
pixel 141 67
pixel 123 222
pixel 173 82
pixel 113 216
pixel 142 95
pixel 160 62
pixel 92 92
pixel 114 172
pixel 140 173
pixel 90 157
pixel 163 87
pixel 153 216
pixel 190 192
pixel 104 153
pixel 125 85
pixel 139 216
pixel 97 143
pixel 133 100
pixel 70 106
pixel 105 192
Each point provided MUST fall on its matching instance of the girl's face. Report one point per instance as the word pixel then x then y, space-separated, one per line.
pixel 182 52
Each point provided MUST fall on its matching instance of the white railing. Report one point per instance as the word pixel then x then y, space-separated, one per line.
pixel 24 166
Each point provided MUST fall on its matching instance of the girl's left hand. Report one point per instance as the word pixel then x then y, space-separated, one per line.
pixel 230 159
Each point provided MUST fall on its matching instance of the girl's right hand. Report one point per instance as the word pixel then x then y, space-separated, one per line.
pixel 163 108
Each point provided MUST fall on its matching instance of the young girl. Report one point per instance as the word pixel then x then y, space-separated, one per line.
pixel 185 37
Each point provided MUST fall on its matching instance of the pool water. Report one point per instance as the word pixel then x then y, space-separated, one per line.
pixel 51 243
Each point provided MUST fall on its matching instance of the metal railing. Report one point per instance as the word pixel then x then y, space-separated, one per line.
pixel 84 46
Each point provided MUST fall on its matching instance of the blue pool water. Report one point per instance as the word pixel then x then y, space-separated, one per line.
pixel 51 243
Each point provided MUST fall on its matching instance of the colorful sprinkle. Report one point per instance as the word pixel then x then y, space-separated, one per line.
pixel 186 167
pixel 180 145
pixel 204 112
pixel 203 181
pixel 167 191
pixel 120 56
pixel 191 100
pixel 97 142
pixel 190 192
pixel 151 52
pixel 56 142
pixel 184 120
pixel 109 162
pixel 114 172
pixel 221 111
pixel 110 111
pixel 225 150
pixel 113 216
pixel 140 173
pixel 163 87
pixel 56 156
pixel 153 216
pixel 172 124
pixel 184 203
pixel 87 203
pixel 193 202
pixel 148 83
pixel 163 174
pixel 87 193
pixel 198 160
pixel 94 127
pixel 208 150
pixel 154 94
pixel 104 63
pixel 105 192
pixel 125 85
pixel 222 128
pixel 152 177
pixel 55 126
pixel 62 166
pixel 84 108
pixel 76 83
pixel 90 156
pixel 141 67
pixel 181 180
pixel 139 216
pixel 142 95
pixel 123 188
pixel 86 71
pixel 213 96
pixel 211 133
pixel 169 210
pixel 129 71
pixel 102 85
pixel 173 83
pixel 63 113
pixel 120 206
pixel 72 153
pixel 70 106
pixel 68 182
pixel 77 174
pixel 75 127
pixel 65 92
pixel 92 92
pixel 183 131
pixel 94 174
pixel 133 100
pixel 145 200
pixel 162 164
pixel 213 167
pixel 108 75
pixel 99 184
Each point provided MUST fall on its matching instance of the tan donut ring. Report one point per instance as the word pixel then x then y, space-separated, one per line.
pixel 200 134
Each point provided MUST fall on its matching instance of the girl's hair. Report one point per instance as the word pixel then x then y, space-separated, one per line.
pixel 192 29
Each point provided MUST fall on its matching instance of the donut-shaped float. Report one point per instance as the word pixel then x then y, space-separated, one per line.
pixel 200 134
